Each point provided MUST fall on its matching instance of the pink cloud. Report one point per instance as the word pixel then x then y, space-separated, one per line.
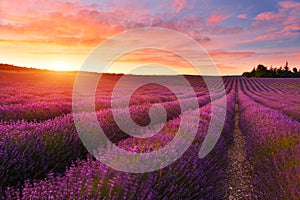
pixel 242 16
pixel 267 16
pixel 217 54
pixel 297 55
pixel 289 4
pixel 178 5
pixel 268 36
pixel 288 32
pixel 287 13
pixel 195 26
pixel 295 27
pixel 216 18
pixel 280 25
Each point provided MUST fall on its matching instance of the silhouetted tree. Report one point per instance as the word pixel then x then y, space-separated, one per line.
pixel 273 72
pixel 295 70
pixel 286 67
pixel 247 74
pixel 296 73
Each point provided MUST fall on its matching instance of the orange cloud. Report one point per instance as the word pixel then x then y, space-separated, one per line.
pixel 75 23
pixel 28 26
pixel 66 23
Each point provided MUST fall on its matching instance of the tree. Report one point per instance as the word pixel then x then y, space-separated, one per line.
pixel 296 73
pixel 273 72
pixel 247 74
pixel 295 70
pixel 286 67
pixel 261 68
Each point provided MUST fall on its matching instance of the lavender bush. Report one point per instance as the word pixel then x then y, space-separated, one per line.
pixel 273 146
pixel 191 177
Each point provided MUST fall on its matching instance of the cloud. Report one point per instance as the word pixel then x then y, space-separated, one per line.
pixel 221 54
pixel 242 16
pixel 76 23
pixel 178 5
pixel 268 16
pixel 289 4
pixel 67 23
pixel 287 12
pixel 297 55
pixel 281 36
pixel 216 18
pixel 281 24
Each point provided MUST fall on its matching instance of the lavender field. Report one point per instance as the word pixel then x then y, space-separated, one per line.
pixel 256 157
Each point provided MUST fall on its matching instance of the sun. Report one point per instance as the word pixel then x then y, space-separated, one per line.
pixel 60 66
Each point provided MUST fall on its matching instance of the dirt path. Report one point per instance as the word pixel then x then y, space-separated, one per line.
pixel 239 169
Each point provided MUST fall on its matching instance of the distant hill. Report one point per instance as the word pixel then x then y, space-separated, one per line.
pixel 8 67
pixel 13 68
pixel 272 72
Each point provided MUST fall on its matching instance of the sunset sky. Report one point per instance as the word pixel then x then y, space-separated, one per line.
pixel 237 34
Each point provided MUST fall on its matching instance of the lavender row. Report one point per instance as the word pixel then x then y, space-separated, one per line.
pixel 284 98
pixel 283 105
pixel 24 101
pixel 192 178
pixel 278 85
pixel 168 131
pixel 288 106
pixel 38 111
pixel 58 140
pixel 43 110
pixel 31 150
pixel 273 148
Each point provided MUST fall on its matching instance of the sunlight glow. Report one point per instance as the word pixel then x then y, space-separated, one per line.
pixel 60 66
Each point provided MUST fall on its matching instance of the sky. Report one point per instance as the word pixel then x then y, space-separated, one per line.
pixel 236 34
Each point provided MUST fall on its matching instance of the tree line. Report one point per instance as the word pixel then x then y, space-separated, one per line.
pixel 273 72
